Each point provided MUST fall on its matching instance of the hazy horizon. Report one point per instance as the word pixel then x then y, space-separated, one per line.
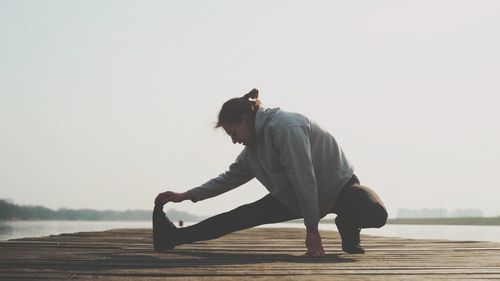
pixel 402 213
pixel 104 104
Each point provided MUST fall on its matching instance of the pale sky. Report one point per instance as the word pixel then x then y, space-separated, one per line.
pixel 104 104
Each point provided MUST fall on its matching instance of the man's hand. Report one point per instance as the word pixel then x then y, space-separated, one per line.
pixel 170 196
pixel 313 242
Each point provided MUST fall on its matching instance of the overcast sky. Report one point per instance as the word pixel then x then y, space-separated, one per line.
pixel 104 104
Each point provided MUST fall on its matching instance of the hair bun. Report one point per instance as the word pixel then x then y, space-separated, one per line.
pixel 253 94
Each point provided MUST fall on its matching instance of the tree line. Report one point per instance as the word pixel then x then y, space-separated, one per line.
pixel 11 211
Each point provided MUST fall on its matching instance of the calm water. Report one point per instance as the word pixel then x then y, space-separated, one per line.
pixel 20 229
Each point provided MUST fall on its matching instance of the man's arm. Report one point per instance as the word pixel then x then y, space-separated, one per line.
pixel 295 156
pixel 238 174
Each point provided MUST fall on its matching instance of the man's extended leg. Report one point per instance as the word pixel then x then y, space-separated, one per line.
pixel 357 207
pixel 263 211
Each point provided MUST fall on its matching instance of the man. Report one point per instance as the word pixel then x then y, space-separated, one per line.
pixel 304 169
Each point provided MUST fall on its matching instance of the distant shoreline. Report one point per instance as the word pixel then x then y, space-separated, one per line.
pixel 436 221
pixel 13 212
pixel 447 221
pixel 90 220
pixel 492 221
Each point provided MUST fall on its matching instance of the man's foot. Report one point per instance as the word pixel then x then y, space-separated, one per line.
pixel 353 249
pixel 164 230
pixel 350 237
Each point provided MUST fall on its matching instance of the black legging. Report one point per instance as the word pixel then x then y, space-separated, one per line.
pixel 356 207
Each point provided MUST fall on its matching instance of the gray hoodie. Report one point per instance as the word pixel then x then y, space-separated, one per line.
pixel 299 163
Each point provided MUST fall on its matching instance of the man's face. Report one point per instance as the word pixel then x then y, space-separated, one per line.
pixel 242 133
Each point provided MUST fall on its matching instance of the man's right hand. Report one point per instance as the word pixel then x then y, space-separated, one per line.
pixel 313 242
pixel 170 196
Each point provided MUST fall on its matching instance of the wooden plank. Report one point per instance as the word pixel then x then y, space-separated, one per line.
pixel 254 254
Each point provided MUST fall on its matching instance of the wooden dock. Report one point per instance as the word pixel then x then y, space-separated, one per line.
pixel 255 254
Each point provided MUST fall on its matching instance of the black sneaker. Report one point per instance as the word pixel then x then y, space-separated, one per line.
pixel 350 238
pixel 164 230
pixel 353 248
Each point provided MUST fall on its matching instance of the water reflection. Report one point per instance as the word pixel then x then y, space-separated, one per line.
pixel 5 229
pixel 446 232
pixel 22 229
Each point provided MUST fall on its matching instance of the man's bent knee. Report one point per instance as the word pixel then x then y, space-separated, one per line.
pixel 380 216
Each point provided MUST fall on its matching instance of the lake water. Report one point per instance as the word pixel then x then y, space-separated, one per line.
pixel 21 229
